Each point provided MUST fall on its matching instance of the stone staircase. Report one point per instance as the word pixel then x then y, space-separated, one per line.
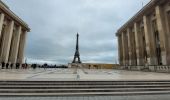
pixel 83 88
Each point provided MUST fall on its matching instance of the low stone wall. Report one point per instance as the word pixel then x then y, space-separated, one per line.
pixel 165 69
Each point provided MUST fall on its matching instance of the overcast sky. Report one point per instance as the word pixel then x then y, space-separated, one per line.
pixel 54 24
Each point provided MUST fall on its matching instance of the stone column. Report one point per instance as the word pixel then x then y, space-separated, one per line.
pixel 134 58
pixel 139 47
pixel 126 48
pixel 7 41
pixel 1 22
pixel 1 29
pixel 22 47
pixel 120 50
pixel 161 29
pixel 150 43
pixel 123 49
pixel 129 46
pixel 15 46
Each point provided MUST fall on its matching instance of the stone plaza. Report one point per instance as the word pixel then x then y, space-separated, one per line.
pixel 79 74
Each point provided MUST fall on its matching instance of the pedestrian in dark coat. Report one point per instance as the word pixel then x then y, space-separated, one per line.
pixel 3 65
pixel 7 65
pixel 11 65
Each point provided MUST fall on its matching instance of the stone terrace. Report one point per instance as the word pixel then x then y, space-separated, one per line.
pixel 79 74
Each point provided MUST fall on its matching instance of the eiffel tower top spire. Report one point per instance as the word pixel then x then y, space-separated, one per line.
pixel 77 54
pixel 77 43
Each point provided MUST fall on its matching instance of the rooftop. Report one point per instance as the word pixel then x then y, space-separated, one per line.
pixel 140 13
pixel 8 12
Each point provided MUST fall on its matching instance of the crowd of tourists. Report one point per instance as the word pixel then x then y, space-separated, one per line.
pixel 34 66
pixel 13 66
pixel 26 66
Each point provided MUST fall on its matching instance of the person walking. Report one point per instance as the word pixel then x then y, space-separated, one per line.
pixel 23 66
pixel 3 65
pixel 26 65
pixel 11 65
pixel 7 65
pixel 17 65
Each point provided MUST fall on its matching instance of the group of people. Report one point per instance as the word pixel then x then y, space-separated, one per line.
pixel 25 66
pixel 34 66
pixel 12 66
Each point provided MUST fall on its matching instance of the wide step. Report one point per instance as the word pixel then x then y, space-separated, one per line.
pixel 59 88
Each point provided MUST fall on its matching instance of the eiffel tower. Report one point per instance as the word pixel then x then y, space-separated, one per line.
pixel 77 54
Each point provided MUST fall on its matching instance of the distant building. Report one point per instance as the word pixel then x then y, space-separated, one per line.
pixel 13 31
pixel 93 65
pixel 145 38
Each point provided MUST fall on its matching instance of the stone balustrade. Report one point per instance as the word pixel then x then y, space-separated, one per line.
pixel 150 68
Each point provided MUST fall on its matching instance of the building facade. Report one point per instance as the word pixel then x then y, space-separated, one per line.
pixel 145 38
pixel 13 34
